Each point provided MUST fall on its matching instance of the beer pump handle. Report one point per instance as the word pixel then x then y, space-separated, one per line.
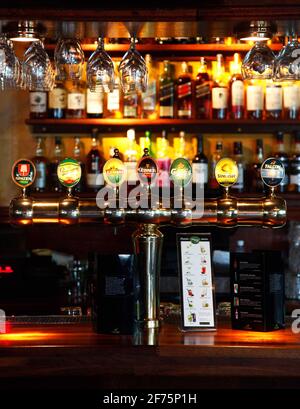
pixel 272 173
pixel 226 174
pixel 69 173
pixel 23 174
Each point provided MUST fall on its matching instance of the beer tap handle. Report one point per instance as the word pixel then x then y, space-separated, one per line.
pixel 272 173
pixel 23 174
pixel 226 174
pixel 181 175
pixel 147 171
pixel 114 174
pixel 69 174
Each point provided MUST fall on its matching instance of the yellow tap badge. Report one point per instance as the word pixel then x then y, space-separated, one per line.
pixel 226 172
pixel 114 172
pixel 69 172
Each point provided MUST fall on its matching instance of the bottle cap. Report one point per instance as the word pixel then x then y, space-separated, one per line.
pixel 69 172
pixel 226 172
pixel 272 172
pixel 23 173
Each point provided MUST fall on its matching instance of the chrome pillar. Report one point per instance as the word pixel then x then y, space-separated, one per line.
pixel 147 242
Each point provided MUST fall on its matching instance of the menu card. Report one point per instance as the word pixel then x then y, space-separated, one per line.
pixel 196 281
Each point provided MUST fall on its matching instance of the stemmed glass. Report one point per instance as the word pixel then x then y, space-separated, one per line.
pixel 100 70
pixel 133 70
pixel 287 63
pixel 69 59
pixel 258 62
pixel 37 71
pixel 10 68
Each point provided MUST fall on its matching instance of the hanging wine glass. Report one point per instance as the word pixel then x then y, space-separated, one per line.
pixel 258 62
pixel 100 70
pixel 133 71
pixel 69 59
pixel 287 63
pixel 10 69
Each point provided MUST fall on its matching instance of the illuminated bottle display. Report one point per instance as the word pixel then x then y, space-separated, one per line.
pixel 200 164
pixel 166 92
pixel 131 105
pixel 76 100
pixel 202 92
pixel 255 101
pixel 113 101
pixel 130 157
pixel 40 162
pixel 237 92
pixel 94 104
pixel 291 101
pixel 94 165
pixel 149 97
pixel 184 93
pixel 219 91
pixel 273 101
pixel 57 101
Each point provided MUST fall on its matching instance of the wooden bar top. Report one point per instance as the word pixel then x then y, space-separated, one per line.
pixel 73 356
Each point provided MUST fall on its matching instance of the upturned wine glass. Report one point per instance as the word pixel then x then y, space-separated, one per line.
pixel 100 70
pixel 258 62
pixel 10 68
pixel 287 63
pixel 69 59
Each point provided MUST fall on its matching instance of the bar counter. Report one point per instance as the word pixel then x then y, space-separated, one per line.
pixel 72 356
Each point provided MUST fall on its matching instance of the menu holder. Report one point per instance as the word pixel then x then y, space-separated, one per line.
pixel 197 289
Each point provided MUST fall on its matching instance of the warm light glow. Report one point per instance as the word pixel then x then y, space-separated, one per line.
pixel 24 39
pixel 252 38
pixel 26 336
pixel 45 220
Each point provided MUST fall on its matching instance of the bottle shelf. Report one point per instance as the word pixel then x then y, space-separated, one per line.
pixel 109 125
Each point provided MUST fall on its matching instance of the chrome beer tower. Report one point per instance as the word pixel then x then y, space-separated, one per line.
pixel 224 211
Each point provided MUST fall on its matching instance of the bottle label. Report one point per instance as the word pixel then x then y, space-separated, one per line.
pixel 255 98
pixel 200 173
pixel 41 172
pixel 131 171
pixel 94 180
pixel 237 93
pixel 58 98
pixel 295 179
pixel 94 102
pixel 202 90
pixel 113 100
pixel 291 96
pixel 219 98
pixel 181 172
pixel 69 172
pixel 273 98
pixel 23 173
pixel 184 112
pixel 130 106
pixel 149 97
pixel 166 95
pixel 166 111
pixel 76 100
pixel 38 102
pixel 240 180
pixel 184 90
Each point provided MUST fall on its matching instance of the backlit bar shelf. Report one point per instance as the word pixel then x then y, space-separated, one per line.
pixel 109 125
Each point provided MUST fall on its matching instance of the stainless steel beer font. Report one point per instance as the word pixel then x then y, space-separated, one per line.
pixel 224 211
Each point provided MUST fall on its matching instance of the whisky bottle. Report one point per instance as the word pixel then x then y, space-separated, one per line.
pixel 283 157
pixel 237 92
pixel 273 101
pixel 78 155
pixel 254 181
pixel 76 100
pixel 255 101
pixel 166 92
pixel 38 104
pixel 149 97
pixel 219 91
pixel 184 93
pixel 57 103
pixel 113 109
pixel 94 165
pixel 163 160
pixel 238 157
pixel 94 104
pixel 202 92
pixel 294 185
pixel 130 105
pixel 40 161
pixel 291 101
pixel 130 158
pixel 200 165
pixel 216 156
pixel 55 185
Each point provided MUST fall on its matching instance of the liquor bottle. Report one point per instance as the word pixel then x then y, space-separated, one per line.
pixel 94 104
pixel 40 161
pixel 55 185
pixel 238 157
pixel 200 164
pixel 294 185
pixel 291 101
pixel 237 91
pixel 283 157
pixel 131 158
pixel 113 101
pixel 149 97
pixel 255 101
pixel 94 165
pixel 131 105
pixel 166 92
pixel 273 101
pixel 163 160
pixel 219 91
pixel 202 92
pixel 254 181
pixel 38 104
pixel 76 100
pixel 146 142
pixel 216 156
pixel 78 155
pixel 57 104
pixel 180 146
pixel 184 93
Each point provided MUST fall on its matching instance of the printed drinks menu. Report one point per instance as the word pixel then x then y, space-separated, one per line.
pixel 197 290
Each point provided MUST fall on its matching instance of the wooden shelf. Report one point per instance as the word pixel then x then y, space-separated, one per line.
pixel 172 125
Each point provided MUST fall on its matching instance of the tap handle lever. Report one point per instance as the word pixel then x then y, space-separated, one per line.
pixel 23 174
